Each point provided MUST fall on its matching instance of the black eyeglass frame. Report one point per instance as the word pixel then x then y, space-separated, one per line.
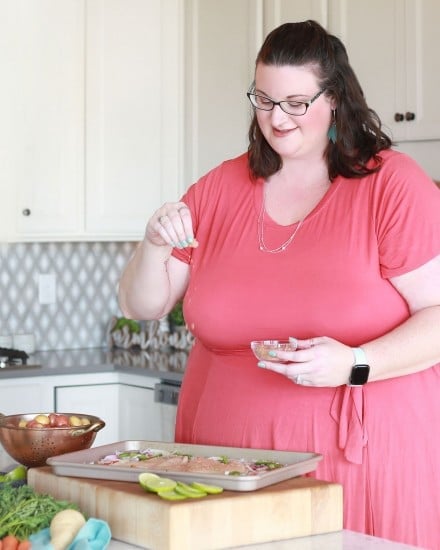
pixel 306 104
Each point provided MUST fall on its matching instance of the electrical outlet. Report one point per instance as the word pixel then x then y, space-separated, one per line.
pixel 47 291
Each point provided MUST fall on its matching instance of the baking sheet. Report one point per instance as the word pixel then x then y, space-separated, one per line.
pixel 79 464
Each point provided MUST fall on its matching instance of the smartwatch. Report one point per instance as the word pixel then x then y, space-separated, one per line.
pixel 360 370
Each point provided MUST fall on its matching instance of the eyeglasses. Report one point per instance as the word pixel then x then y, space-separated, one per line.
pixel 297 108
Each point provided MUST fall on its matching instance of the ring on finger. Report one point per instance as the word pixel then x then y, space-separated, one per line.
pixel 162 218
pixel 293 343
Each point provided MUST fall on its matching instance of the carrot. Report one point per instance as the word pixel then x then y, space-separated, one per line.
pixel 23 545
pixel 10 542
pixel 1 544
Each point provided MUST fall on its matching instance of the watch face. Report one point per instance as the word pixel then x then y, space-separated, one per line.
pixel 359 375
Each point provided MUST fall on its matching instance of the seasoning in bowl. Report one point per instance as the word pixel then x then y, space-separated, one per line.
pixel 265 350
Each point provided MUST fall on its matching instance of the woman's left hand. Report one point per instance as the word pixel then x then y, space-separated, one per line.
pixel 319 361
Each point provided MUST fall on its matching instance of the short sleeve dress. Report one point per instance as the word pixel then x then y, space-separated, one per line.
pixel 381 441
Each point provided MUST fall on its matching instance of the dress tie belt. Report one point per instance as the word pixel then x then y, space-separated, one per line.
pixel 347 410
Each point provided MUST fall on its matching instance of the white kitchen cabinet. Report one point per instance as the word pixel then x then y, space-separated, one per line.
pixel 222 39
pixel 92 99
pixel 394 56
pixel 100 400
pixel 139 415
pixel 22 397
pixel 134 102
pixel 277 12
pixel 41 109
pixel 129 410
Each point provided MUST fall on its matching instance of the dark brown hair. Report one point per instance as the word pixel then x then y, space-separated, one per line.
pixel 359 129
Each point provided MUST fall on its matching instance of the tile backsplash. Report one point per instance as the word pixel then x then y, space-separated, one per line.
pixel 86 275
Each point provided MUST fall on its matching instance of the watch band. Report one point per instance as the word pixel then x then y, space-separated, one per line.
pixel 359 357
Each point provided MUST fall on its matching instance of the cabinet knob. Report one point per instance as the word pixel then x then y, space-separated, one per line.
pixel 398 117
pixel 26 212
pixel 410 116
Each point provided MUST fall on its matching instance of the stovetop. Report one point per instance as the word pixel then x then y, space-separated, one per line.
pixel 12 357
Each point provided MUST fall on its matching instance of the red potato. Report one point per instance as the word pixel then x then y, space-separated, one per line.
pixel 62 420
pixel 34 424
pixel 53 419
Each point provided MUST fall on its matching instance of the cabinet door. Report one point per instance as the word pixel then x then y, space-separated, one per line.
pixel 23 398
pixel 134 84
pixel 140 417
pixel 277 12
pixel 41 102
pixel 100 400
pixel 395 59
pixel 423 69
pixel 376 50
pixel 222 39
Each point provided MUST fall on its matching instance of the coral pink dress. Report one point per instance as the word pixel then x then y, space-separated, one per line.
pixel 382 441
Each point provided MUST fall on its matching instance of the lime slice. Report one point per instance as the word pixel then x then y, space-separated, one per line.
pixel 171 495
pixel 210 489
pixel 144 477
pixel 159 484
pixel 188 491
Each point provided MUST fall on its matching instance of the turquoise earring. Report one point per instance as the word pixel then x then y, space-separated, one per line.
pixel 332 133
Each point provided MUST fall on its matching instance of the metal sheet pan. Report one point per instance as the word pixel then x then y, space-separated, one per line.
pixel 80 464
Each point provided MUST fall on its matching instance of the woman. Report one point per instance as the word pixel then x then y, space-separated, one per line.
pixel 320 232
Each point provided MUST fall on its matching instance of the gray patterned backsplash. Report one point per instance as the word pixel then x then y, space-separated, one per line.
pixel 86 276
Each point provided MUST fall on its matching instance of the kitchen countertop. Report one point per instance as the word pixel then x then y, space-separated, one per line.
pixel 342 540
pixel 165 364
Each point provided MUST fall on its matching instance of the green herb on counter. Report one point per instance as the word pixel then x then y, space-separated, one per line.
pixel 175 316
pixel 133 326
pixel 24 512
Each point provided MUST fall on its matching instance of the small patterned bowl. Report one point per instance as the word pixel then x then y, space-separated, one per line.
pixel 261 348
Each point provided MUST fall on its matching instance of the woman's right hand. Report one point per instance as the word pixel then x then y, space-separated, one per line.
pixel 153 280
pixel 171 225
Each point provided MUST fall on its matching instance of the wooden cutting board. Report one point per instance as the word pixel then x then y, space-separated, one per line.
pixel 297 507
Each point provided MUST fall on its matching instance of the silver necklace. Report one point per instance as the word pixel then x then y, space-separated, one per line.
pixel 260 226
